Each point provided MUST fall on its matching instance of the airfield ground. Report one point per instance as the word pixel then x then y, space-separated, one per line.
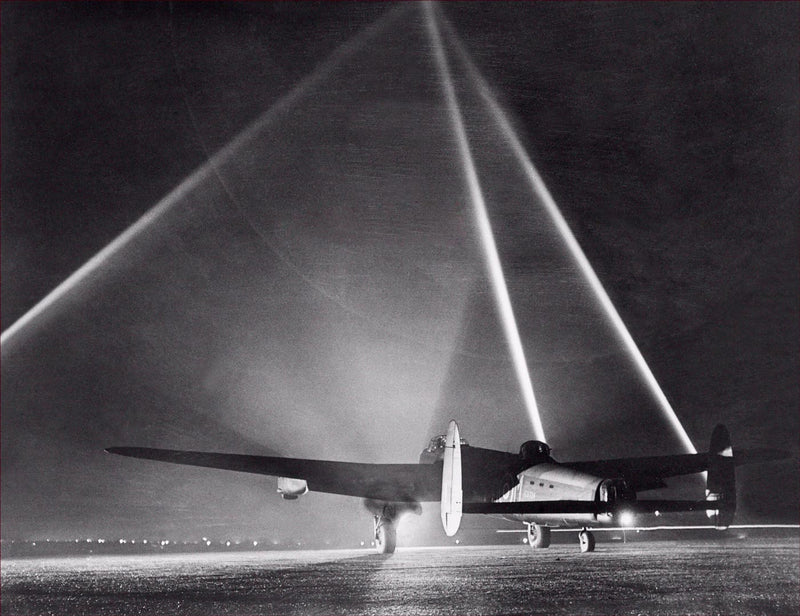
pixel 750 576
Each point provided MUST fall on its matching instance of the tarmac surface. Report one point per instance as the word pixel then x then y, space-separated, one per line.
pixel 750 576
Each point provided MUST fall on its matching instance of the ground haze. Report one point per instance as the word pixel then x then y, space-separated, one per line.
pixel 752 576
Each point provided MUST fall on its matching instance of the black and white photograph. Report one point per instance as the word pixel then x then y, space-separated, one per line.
pixel 415 307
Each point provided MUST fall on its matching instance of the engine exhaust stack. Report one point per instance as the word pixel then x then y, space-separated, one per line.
pixel 721 480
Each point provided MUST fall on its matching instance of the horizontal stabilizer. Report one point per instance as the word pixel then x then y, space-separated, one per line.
pixel 556 506
pixel 571 506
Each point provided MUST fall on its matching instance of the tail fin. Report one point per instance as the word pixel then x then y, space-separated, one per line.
pixel 721 480
pixel 452 495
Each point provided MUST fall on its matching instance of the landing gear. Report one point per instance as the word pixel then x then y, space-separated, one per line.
pixel 385 535
pixel 538 536
pixel 586 540
pixel 385 516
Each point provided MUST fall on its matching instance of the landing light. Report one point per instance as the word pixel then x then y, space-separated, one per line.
pixel 627 519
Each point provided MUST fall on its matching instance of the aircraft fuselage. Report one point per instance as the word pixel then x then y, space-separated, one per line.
pixel 551 481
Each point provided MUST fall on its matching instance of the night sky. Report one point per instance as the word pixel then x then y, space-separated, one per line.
pixel 318 289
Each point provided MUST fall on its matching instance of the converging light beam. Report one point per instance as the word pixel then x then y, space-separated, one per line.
pixel 540 189
pixel 492 258
pixel 203 173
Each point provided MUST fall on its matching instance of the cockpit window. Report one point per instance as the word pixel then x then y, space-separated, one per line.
pixel 438 442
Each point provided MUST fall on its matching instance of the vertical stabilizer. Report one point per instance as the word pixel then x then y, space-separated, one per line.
pixel 452 498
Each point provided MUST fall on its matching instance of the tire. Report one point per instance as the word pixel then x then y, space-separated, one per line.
pixel 385 538
pixel 538 536
pixel 586 539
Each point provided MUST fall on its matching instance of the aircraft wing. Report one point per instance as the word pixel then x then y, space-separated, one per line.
pixel 649 473
pixel 381 482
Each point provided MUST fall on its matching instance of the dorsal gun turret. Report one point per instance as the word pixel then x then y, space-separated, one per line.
pixel 534 452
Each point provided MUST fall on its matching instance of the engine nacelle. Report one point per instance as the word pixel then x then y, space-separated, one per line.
pixel 291 489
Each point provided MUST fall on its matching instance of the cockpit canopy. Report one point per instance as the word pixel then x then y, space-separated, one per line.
pixel 438 442
pixel 435 449
pixel 534 451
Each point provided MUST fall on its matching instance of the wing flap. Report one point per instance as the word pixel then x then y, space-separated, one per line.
pixel 384 482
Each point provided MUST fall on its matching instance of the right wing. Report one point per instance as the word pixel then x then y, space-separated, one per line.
pixel 649 473
pixel 381 482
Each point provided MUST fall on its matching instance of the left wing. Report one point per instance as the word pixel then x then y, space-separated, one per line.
pixel 381 482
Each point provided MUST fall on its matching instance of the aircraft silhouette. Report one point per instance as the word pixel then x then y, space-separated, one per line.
pixel 529 486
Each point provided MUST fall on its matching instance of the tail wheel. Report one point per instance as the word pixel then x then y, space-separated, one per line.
pixel 385 537
pixel 538 536
pixel 586 539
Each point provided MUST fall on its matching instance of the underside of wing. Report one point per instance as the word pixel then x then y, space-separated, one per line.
pixel 649 473
pixel 380 482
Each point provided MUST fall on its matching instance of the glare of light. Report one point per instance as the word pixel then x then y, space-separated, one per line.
pixel 540 189
pixel 487 237
pixel 627 519
pixel 208 543
pixel 208 170
pixel 255 543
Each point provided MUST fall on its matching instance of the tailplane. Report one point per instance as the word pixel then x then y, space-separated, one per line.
pixel 721 480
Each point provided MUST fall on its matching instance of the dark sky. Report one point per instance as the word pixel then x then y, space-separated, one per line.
pixel 319 288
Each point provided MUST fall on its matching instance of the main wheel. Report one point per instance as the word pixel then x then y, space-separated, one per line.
pixel 538 536
pixel 586 539
pixel 385 537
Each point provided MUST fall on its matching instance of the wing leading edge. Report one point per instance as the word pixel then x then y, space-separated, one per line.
pixel 380 482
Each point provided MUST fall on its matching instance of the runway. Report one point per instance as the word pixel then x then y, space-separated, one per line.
pixel 730 576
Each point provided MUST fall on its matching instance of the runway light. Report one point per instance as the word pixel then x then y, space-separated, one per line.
pixel 540 190
pixel 627 519
pixel 498 281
